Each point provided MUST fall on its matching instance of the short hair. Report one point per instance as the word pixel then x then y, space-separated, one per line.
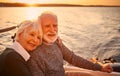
pixel 47 13
pixel 25 24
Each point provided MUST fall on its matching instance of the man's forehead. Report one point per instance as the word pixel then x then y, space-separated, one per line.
pixel 49 19
pixel 48 15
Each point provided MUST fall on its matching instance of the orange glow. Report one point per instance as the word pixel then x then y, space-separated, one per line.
pixel 31 2
pixel 81 2
pixel 32 13
pixel 46 1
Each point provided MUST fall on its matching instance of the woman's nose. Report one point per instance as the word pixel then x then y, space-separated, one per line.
pixel 35 39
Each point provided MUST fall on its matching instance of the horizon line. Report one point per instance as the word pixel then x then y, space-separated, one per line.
pixel 52 4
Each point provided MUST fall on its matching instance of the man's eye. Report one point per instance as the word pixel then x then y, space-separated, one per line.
pixel 55 25
pixel 47 25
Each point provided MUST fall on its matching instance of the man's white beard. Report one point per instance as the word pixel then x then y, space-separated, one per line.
pixel 49 41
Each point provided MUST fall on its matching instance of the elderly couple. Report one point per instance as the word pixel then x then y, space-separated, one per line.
pixel 37 51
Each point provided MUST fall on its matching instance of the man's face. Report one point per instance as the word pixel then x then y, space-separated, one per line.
pixel 50 28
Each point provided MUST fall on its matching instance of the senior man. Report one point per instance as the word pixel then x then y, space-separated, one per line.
pixel 47 59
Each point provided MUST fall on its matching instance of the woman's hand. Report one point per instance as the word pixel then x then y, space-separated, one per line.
pixel 59 41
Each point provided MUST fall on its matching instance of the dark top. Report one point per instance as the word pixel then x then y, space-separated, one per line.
pixel 13 64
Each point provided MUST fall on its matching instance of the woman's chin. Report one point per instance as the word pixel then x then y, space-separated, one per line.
pixel 31 49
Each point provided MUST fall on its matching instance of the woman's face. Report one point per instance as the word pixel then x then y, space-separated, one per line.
pixel 30 38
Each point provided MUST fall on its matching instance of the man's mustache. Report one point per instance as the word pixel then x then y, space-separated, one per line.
pixel 51 33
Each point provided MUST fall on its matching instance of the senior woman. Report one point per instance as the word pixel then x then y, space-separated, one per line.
pixel 13 61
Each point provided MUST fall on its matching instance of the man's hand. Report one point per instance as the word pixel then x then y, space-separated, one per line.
pixel 106 68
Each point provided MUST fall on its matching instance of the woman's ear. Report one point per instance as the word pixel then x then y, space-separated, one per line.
pixel 20 36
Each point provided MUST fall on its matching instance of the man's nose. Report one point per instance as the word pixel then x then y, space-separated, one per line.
pixel 52 28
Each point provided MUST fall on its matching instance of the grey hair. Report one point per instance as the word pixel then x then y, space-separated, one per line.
pixel 47 13
pixel 25 24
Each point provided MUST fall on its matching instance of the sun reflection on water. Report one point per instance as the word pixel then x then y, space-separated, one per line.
pixel 32 13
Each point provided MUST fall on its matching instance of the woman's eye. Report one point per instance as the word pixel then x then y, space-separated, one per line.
pixel 39 38
pixel 32 34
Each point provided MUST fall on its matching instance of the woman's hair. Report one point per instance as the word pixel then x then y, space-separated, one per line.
pixel 25 24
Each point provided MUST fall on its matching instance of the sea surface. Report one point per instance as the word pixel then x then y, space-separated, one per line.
pixel 82 29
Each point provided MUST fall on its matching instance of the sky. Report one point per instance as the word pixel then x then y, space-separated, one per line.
pixel 82 2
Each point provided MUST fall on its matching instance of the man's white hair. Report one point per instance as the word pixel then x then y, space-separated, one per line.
pixel 46 14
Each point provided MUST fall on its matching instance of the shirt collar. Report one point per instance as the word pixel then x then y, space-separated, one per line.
pixel 19 49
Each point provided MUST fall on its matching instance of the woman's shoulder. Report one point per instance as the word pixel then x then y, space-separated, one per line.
pixel 6 55
pixel 9 53
pixel 2 48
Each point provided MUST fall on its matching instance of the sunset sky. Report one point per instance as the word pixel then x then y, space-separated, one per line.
pixel 83 2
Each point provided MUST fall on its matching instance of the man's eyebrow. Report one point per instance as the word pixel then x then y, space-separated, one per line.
pixel 47 24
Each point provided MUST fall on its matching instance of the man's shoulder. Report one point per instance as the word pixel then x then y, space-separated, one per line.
pixel 45 47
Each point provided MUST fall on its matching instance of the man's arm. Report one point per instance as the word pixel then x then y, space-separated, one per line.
pixel 78 61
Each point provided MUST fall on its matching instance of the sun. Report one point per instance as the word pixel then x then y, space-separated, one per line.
pixel 46 1
pixel 30 4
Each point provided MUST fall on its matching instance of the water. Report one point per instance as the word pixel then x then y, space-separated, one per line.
pixel 82 29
